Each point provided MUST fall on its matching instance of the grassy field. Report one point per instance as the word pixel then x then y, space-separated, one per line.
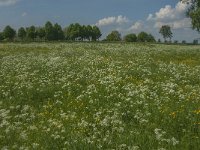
pixel 87 96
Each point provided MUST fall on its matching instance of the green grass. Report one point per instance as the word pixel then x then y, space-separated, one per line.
pixel 99 96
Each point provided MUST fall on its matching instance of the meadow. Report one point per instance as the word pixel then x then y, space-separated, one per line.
pixel 109 96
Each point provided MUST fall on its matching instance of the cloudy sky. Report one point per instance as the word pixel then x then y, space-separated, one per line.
pixel 126 16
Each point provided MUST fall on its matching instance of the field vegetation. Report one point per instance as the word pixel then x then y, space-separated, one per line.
pixel 99 96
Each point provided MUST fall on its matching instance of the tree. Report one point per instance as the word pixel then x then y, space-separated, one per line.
pixel 49 31
pixel 81 32
pixel 195 42
pixel 143 37
pixel 41 33
pixel 73 32
pixel 1 36
pixel 96 33
pixel 130 38
pixel 194 13
pixel 31 32
pixel 166 32
pixel 9 33
pixel 159 41
pixel 89 32
pixel 58 32
pixel 114 36
pixel 151 38
pixel 22 33
pixel 183 42
pixel 175 42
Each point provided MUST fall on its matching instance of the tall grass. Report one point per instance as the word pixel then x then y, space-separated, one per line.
pixel 99 96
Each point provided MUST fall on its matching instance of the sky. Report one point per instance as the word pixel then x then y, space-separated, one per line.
pixel 125 16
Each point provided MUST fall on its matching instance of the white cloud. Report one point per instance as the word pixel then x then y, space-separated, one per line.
pixel 165 13
pixel 175 17
pixel 136 26
pixel 184 23
pixel 150 17
pixel 24 14
pixel 112 20
pixel 7 2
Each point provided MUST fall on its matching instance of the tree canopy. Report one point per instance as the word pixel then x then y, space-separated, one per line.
pixel 9 33
pixel 166 32
pixel 22 33
pixel 130 37
pixel 114 36
pixel 194 13
pixel 77 32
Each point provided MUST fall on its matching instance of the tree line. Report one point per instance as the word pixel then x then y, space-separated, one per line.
pixel 77 32
pixel 51 32
pixel 74 32
pixel 141 37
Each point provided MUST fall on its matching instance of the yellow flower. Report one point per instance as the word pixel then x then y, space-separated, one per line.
pixel 197 112
pixel 173 114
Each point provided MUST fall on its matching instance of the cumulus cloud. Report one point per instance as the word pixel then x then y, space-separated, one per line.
pixel 136 26
pixel 175 17
pixel 7 2
pixel 112 20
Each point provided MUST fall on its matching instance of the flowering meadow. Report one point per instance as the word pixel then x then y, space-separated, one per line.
pixel 88 96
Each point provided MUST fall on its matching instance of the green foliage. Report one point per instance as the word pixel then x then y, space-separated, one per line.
pixel 183 42
pixel 175 42
pixel 41 32
pixel 1 36
pixel 21 33
pixel 195 42
pixel 9 33
pixel 114 36
pixel 195 16
pixel 166 32
pixel 99 96
pixel 58 32
pixel 130 38
pixel 151 38
pixel 31 32
pixel 49 31
pixel 77 32
pixel 143 37
pixel 96 33
pixel 194 13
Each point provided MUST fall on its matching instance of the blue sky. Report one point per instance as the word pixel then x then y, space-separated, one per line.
pixel 126 16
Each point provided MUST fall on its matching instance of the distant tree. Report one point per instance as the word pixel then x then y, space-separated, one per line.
pixel 41 33
pixel 166 32
pixel 9 33
pixel 96 33
pixel 143 37
pixel 195 42
pixel 21 33
pixel 151 38
pixel 84 34
pixel 58 32
pixel 31 32
pixel 77 31
pixel 49 31
pixel 89 32
pixel 1 36
pixel 73 32
pixel 183 42
pixel 175 42
pixel 159 41
pixel 114 36
pixel 194 13
pixel 81 32
pixel 130 38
